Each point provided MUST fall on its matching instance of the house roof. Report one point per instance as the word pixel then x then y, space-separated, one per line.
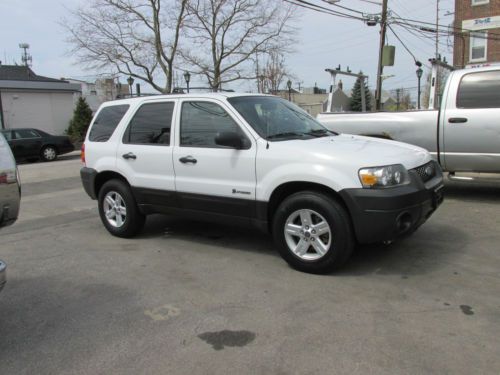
pixel 22 73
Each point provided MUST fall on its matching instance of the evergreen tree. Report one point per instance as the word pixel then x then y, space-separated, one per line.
pixel 356 96
pixel 80 122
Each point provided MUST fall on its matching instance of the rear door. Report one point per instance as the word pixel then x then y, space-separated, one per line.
pixel 26 143
pixel 145 153
pixel 471 124
pixel 209 177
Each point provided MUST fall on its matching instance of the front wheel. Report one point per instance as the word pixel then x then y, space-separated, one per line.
pixel 313 232
pixel 118 210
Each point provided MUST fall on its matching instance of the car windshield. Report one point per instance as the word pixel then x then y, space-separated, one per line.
pixel 277 119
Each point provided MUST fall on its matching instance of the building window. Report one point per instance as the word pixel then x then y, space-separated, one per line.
pixel 478 46
pixel 480 2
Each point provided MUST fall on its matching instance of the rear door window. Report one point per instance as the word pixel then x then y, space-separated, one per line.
pixel 25 134
pixel 479 90
pixel 151 124
pixel 106 122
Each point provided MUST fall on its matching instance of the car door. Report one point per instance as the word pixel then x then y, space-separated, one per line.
pixel 27 143
pixel 471 126
pixel 145 153
pixel 208 177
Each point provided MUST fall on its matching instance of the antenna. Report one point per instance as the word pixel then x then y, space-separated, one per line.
pixel 26 57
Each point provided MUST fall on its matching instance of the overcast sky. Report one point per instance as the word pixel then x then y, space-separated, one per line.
pixel 324 41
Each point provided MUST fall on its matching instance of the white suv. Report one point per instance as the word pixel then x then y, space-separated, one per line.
pixel 255 160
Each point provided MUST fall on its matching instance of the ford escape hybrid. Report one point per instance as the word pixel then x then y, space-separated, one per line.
pixel 255 160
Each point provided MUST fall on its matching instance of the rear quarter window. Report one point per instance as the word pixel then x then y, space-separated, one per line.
pixel 106 122
pixel 479 90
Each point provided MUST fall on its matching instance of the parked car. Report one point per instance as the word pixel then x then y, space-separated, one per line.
pixel 33 144
pixel 255 159
pixel 463 135
pixel 10 194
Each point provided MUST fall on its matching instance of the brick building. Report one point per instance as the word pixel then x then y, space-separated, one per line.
pixel 478 43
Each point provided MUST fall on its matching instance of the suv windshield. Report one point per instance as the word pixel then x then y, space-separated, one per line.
pixel 278 119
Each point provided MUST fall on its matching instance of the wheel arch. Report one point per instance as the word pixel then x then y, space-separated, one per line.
pixel 104 176
pixel 45 145
pixel 281 192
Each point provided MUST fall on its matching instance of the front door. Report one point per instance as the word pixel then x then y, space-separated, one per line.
pixel 471 125
pixel 209 177
pixel 145 153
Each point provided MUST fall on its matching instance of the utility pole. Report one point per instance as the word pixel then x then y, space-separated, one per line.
pixel 435 68
pixel 437 29
pixel 380 70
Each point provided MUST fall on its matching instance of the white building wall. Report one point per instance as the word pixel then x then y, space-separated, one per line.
pixel 46 111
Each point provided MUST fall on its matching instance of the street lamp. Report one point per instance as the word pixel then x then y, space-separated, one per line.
pixel 419 75
pixel 289 85
pixel 130 82
pixel 187 78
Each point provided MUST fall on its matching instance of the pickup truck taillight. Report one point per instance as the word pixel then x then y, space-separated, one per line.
pixel 82 153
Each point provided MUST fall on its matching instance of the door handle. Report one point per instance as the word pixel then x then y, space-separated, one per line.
pixel 188 159
pixel 129 156
pixel 456 120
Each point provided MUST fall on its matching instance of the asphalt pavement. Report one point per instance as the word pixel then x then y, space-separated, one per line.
pixel 197 298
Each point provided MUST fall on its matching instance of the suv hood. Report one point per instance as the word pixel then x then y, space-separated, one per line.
pixel 359 151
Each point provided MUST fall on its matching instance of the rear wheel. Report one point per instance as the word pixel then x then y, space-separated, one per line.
pixel 313 232
pixel 49 153
pixel 118 209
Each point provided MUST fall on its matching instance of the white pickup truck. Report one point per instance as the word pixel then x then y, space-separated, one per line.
pixel 255 160
pixel 463 136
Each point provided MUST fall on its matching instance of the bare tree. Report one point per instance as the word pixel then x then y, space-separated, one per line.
pixel 139 38
pixel 274 71
pixel 227 34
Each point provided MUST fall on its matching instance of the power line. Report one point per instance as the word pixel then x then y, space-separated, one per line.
pixel 438 27
pixel 404 45
pixel 321 9
pixel 343 7
pixel 371 2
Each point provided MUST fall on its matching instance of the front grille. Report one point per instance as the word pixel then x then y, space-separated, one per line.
pixel 426 171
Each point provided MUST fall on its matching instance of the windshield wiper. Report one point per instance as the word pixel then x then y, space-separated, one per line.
pixel 285 134
pixel 320 132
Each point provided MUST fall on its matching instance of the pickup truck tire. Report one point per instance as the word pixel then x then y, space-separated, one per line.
pixel 313 232
pixel 118 209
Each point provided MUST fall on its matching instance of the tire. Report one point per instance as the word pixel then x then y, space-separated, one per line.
pixel 313 232
pixel 118 209
pixel 48 153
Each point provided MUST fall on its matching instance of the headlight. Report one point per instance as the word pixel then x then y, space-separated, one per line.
pixel 382 177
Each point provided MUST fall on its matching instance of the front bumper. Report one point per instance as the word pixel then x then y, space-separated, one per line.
pixel 3 274
pixel 385 214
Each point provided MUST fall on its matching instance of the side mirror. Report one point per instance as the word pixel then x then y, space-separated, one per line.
pixel 230 139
